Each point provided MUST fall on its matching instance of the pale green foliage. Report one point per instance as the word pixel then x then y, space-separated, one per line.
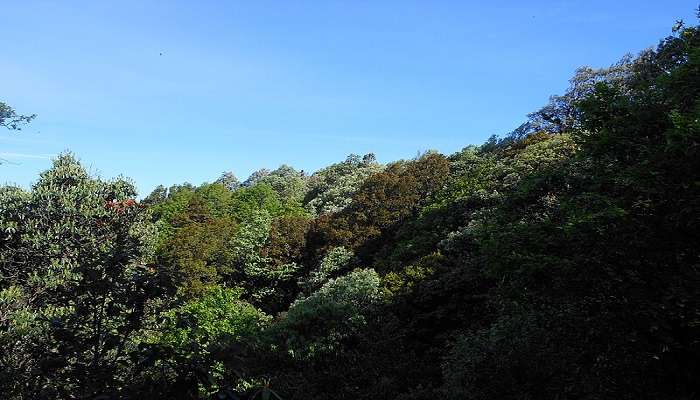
pixel 330 189
pixel 17 320
pixel 229 181
pixel 340 309
pixel 471 175
pixel 255 177
pixel 249 240
pixel 336 260
pixel 288 183
pixel 485 175
pixel 254 270
pixel 486 179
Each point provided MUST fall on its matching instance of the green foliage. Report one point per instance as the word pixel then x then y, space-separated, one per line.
pixel 331 189
pixel 558 262
pixel 249 200
pixel 287 239
pixel 595 241
pixel 323 321
pixel 288 183
pixel 75 283
pixel 192 339
pixel 248 243
pixel 412 275
pixel 157 196
pixel 199 254
pixel 217 315
pixel 256 176
pixel 384 200
pixel 229 181
pixel 248 238
pixel 337 260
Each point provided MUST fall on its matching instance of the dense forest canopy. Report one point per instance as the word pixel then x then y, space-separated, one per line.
pixel 561 261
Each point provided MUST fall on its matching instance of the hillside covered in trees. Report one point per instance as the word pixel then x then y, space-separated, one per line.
pixel 561 261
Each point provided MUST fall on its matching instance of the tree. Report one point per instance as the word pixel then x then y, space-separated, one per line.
pixel 11 120
pixel 194 341
pixel 247 201
pixel 229 181
pixel 382 203
pixel 289 183
pixel 157 196
pixel 76 283
pixel 336 261
pixel 255 177
pixel 199 255
pixel 603 240
pixel 325 320
pixel 331 189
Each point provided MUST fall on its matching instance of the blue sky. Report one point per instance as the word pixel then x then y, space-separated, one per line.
pixel 245 85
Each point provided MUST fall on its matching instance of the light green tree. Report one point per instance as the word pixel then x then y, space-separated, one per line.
pixel 340 309
pixel 330 189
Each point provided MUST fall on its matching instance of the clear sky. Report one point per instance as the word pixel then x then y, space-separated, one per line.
pixel 172 91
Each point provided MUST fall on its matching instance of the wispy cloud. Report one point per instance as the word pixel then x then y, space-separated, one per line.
pixel 26 139
pixel 25 156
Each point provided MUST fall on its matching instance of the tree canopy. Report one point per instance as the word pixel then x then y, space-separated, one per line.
pixel 561 261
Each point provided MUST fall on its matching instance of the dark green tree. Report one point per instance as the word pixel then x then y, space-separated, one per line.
pixel 76 284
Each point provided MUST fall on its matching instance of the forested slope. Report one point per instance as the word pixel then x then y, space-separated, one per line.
pixel 561 261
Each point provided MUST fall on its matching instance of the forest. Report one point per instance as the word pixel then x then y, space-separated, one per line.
pixel 559 261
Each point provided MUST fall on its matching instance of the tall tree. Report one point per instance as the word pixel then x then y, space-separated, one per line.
pixel 74 263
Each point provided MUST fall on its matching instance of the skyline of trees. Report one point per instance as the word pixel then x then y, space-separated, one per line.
pixel 561 261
